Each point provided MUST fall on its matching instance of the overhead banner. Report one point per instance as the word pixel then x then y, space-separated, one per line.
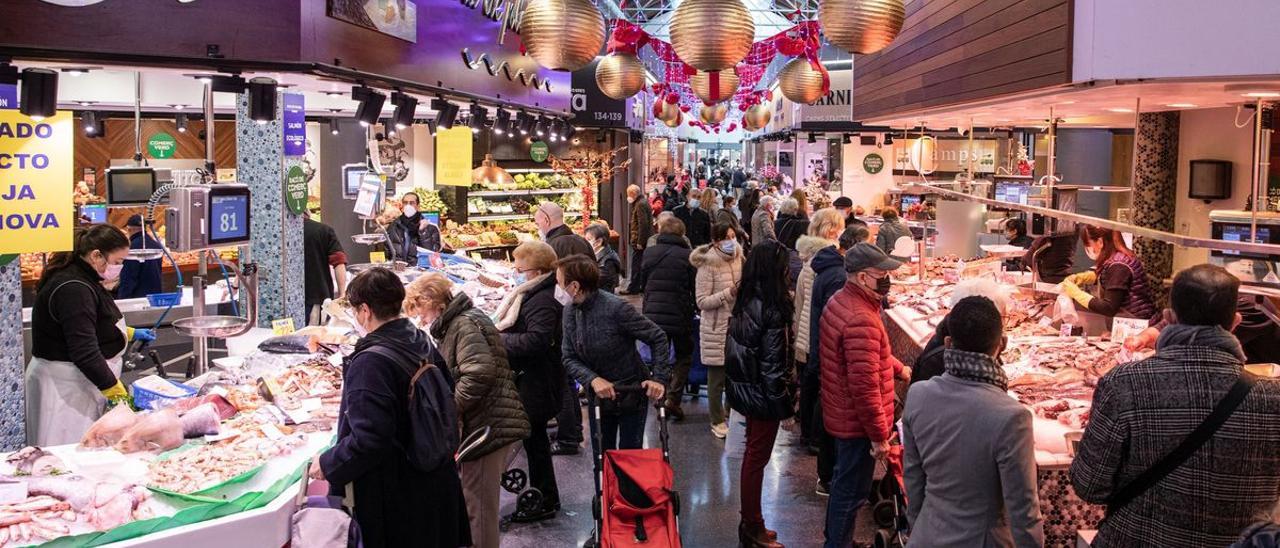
pixel 295 125
pixel 591 107
pixel 453 156
pixel 36 209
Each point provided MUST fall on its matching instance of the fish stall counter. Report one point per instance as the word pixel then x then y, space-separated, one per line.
pixel 214 466
pixel 1051 374
pixel 486 281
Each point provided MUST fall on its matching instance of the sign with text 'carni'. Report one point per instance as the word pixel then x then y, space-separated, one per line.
pixel 835 106
pixel 591 107
pixel 36 210
pixel 295 125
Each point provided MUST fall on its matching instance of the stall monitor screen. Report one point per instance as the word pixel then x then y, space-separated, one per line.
pixel 95 213
pixel 1240 233
pixel 1012 192
pixel 908 201
pixel 130 186
pixel 228 217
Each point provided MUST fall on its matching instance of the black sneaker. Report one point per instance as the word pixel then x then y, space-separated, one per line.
pixel 542 514
pixel 564 449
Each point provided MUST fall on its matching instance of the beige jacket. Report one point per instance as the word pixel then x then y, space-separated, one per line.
pixel 807 246
pixel 718 274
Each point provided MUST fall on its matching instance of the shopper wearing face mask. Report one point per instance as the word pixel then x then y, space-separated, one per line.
pixel 606 257
pixel 77 338
pixel 599 350
pixel 404 233
pixel 719 267
pixel 669 301
pixel 1119 282
pixel 697 221
pixel 529 321
pixel 549 217
pixel 484 392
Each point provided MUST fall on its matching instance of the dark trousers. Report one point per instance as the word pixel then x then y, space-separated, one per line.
pixel 850 487
pixel 811 405
pixel 683 344
pixel 620 431
pixel 569 421
pixel 635 277
pixel 542 474
pixel 761 435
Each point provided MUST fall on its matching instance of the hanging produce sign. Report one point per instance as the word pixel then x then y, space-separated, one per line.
pixel 36 211
pixel 538 151
pixel 295 125
pixel 161 146
pixel 8 96
pixel 453 156
pixel 873 163
pixel 295 190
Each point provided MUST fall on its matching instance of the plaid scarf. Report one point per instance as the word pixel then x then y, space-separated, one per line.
pixel 973 366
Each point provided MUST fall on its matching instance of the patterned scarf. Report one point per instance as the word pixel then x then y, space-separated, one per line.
pixel 973 366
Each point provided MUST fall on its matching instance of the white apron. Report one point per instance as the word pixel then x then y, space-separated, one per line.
pixel 61 402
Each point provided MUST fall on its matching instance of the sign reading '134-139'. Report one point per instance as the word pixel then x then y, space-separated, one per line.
pixel 36 211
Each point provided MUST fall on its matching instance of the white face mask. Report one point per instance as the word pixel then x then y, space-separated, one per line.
pixel 409 211
pixel 563 297
pixel 357 324
pixel 1093 255
pixel 113 272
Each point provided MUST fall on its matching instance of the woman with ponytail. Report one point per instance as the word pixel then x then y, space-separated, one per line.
pixel 77 336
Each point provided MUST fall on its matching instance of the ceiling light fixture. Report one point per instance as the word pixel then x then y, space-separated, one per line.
pixel 333 126
pixel 446 112
pixel 334 94
pixel 1262 94
pixel 406 106
pixel 76 71
pixel 181 121
pixel 39 93
pixel 540 128
pixel 479 118
pixel 813 138
pixel 1180 105
pixel 262 100
pixel 1120 110
pixel 370 104
pixel 388 128
pixel 90 121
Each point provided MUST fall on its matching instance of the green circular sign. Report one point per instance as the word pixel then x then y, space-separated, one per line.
pixel 538 151
pixel 873 163
pixel 295 190
pixel 161 146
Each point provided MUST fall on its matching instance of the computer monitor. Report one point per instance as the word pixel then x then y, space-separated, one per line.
pixel 1014 193
pixel 130 185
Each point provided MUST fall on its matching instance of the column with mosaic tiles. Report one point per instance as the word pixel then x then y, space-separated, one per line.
pixel 276 244
pixel 1155 193
pixel 12 392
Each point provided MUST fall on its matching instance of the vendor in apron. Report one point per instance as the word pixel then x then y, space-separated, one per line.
pixel 78 336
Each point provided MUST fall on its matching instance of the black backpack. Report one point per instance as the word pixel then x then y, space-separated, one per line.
pixel 433 419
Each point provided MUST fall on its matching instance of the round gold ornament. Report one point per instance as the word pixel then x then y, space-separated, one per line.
pixel 676 121
pixel 562 34
pixel 712 34
pixel 713 114
pixel 726 86
pixel 620 75
pixel 669 111
pixel 861 26
pixel 800 82
pixel 756 117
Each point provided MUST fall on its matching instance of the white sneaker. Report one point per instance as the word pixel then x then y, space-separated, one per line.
pixel 720 431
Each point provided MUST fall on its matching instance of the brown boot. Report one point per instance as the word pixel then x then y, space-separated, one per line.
pixel 756 536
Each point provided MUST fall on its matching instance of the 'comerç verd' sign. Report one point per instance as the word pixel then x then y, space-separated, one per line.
pixel 36 208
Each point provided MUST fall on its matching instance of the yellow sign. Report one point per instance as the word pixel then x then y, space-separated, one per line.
pixel 36 211
pixel 453 156
pixel 282 327
pixel 377 257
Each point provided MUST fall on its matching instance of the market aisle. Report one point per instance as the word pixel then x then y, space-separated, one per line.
pixel 707 478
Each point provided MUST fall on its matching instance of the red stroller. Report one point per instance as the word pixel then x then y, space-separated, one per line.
pixel 635 504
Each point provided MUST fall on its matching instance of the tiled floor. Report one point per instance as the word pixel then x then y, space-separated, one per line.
pixel 707 478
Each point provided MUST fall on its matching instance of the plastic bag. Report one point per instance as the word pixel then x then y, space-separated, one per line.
pixel 158 430
pixel 1064 310
pixel 110 428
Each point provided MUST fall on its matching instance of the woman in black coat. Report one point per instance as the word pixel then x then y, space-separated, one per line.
pixel 396 504
pixel 759 374
pixel 529 322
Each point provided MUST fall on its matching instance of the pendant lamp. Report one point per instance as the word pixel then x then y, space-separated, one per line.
pixel 490 175
pixel 713 114
pixel 675 121
pixel 861 26
pixel 669 111
pixel 620 75
pixel 712 34
pixel 756 117
pixel 562 34
pixel 800 82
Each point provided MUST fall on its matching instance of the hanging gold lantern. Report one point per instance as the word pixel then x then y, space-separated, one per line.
pixel 861 26
pixel 756 117
pixel 620 75
pixel 726 85
pixel 713 114
pixel 800 82
pixel 489 175
pixel 669 111
pixel 675 121
pixel 712 34
pixel 562 34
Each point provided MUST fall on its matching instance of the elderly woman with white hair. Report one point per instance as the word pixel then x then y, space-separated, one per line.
pixel 762 220
pixel 930 364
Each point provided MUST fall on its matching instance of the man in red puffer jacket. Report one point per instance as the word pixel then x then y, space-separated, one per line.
pixel 858 370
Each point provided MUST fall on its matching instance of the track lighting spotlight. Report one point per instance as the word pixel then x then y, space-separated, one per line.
pixel 405 105
pixel 540 128
pixel 39 93
pixel 262 100
pixel 446 113
pixel 333 126
pixel 813 138
pixel 181 121
pixel 370 105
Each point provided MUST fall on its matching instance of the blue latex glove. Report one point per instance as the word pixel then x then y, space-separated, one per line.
pixel 144 335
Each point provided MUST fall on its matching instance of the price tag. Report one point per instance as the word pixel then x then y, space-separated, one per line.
pixel 282 327
pixel 336 359
pixel 298 416
pixel 377 257
pixel 311 404
pixel 13 492
pixel 1066 330
pixel 271 432
pixel 1123 328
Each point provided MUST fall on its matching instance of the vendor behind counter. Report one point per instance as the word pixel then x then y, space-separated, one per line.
pixel 1118 278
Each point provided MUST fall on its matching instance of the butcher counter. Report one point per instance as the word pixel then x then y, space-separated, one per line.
pixel 1064 513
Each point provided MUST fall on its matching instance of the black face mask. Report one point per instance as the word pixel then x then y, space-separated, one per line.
pixel 882 286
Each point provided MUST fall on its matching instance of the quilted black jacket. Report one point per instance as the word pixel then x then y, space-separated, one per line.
pixel 756 365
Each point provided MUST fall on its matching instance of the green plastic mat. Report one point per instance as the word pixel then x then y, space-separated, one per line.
pixel 204 495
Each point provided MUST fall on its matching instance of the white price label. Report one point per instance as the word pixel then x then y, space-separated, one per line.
pixel 271 432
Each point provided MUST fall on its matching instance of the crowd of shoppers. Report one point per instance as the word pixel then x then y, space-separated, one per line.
pixel 817 350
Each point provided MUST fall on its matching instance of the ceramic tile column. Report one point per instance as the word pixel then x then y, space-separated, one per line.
pixel 12 407
pixel 276 233
pixel 1155 194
